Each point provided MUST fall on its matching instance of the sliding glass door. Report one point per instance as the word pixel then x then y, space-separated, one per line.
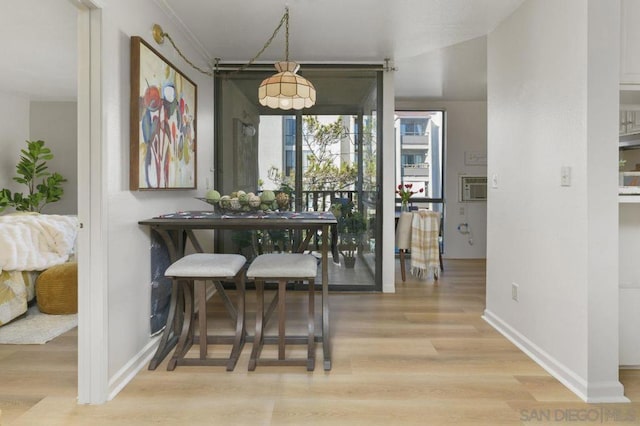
pixel 324 158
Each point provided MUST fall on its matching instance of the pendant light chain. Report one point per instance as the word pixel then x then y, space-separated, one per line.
pixel 285 19
pixel 209 73
pixel 286 35
pixel 161 35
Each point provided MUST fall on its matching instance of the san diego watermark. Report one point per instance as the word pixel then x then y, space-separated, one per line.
pixel 597 415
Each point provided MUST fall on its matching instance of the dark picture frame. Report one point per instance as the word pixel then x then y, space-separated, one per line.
pixel 163 111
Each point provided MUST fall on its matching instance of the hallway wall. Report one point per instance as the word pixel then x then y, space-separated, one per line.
pixel 553 103
pixel 14 121
pixel 57 124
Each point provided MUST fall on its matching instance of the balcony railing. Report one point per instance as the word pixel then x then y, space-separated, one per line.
pixel 321 201
pixel 415 140
pixel 415 170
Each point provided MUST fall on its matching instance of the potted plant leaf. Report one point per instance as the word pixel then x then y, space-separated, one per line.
pixel 351 228
pixel 43 187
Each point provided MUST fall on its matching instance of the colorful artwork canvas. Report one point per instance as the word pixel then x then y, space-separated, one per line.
pixel 163 122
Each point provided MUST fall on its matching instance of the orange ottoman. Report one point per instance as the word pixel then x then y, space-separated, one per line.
pixel 57 289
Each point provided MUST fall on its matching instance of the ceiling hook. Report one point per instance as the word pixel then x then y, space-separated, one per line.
pixel 387 65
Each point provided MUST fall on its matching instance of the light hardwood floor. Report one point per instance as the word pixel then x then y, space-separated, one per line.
pixel 421 356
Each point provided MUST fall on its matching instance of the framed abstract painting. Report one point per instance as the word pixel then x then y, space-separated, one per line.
pixel 163 122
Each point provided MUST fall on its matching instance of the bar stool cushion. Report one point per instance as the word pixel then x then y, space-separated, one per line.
pixel 289 265
pixel 206 265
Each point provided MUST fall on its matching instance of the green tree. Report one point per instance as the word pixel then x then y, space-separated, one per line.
pixel 369 156
pixel 322 172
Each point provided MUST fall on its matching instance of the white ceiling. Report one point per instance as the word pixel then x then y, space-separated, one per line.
pixel 437 46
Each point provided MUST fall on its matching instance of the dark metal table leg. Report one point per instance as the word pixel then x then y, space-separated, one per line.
pixel 326 347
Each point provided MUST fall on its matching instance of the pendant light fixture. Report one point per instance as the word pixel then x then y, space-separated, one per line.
pixel 286 89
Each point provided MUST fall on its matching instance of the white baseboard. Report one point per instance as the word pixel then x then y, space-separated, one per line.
pixel 630 367
pixel 130 369
pixel 603 392
pixel 139 361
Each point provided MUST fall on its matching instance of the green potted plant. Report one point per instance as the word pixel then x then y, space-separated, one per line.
pixel 351 228
pixel 43 187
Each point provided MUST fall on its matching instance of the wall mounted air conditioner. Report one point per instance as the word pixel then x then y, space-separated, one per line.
pixel 472 188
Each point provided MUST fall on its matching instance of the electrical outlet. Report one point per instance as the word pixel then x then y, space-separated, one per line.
pixel 514 291
pixel 462 211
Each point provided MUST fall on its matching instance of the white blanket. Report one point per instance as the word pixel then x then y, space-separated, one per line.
pixel 34 242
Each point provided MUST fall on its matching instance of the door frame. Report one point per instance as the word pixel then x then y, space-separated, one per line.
pixel 92 283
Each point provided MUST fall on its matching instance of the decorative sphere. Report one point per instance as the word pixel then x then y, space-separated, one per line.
pixel 212 195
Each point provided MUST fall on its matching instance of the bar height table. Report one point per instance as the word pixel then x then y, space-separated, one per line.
pixel 176 228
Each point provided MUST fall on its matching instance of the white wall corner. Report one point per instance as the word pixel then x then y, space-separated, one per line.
pixel 589 392
pixel 603 101
pixel 388 186
pixel 605 392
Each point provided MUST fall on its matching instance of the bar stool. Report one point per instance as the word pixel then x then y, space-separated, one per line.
pixel 208 267
pixel 282 268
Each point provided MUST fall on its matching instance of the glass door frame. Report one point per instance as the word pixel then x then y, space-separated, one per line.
pixel 324 110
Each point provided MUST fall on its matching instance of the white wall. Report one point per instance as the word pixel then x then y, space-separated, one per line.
pixel 127 243
pixel 56 124
pixel 14 122
pixel 466 131
pixel 552 102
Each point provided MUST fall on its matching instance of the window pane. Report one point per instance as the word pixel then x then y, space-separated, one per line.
pixel 419 148
pixel 276 151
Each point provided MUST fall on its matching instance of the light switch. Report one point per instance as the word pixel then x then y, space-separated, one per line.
pixel 565 176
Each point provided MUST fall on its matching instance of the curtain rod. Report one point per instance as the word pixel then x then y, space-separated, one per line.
pixel 303 67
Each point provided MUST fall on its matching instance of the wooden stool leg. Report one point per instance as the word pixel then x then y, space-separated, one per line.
pixel 186 335
pixel 258 338
pixel 282 288
pixel 239 341
pixel 201 294
pixel 311 343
